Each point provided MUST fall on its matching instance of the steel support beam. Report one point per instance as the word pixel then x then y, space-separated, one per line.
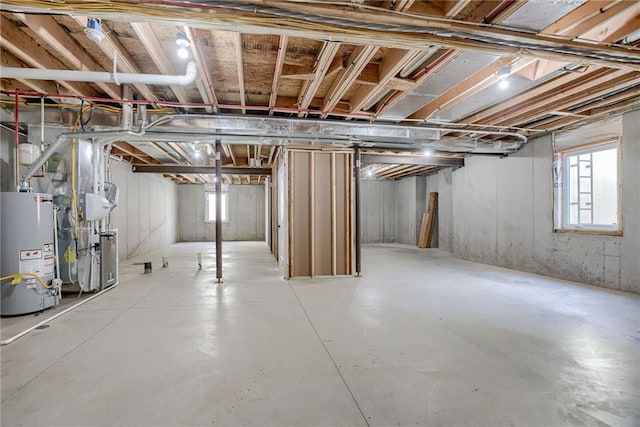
pixel 185 169
pixel 218 211
pixel 410 160
pixel 356 171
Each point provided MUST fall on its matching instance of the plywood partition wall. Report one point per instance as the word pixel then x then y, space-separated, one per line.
pixel 319 212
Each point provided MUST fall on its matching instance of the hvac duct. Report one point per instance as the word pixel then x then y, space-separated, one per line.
pixel 100 76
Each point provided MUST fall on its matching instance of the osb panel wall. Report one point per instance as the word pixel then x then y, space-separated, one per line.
pixel 320 213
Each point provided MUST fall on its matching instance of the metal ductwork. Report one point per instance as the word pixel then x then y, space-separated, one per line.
pixel 280 131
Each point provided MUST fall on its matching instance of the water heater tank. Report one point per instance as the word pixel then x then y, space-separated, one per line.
pixel 27 246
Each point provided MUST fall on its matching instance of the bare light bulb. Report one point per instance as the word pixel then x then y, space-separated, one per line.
pixel 503 84
pixel 369 172
pixel 183 53
pixel 427 153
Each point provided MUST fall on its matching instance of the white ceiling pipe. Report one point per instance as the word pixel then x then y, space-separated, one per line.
pixel 100 76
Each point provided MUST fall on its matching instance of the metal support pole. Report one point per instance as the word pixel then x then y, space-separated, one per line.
pixel 218 211
pixel 356 169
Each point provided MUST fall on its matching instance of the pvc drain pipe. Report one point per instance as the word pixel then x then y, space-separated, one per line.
pixel 101 76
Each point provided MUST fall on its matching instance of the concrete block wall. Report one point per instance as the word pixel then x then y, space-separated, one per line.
pixel 501 213
pixel 246 214
pixel 147 214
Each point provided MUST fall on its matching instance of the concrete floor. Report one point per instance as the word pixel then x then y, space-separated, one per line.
pixel 421 339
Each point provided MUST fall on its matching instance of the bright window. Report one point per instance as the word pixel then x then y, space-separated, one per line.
pixel 210 207
pixel 589 196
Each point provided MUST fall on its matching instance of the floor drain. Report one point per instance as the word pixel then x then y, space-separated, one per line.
pixel 42 327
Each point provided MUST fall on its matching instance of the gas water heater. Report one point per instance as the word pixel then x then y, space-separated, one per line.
pixel 27 253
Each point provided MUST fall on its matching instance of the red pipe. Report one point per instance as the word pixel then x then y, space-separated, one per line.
pixel 496 12
pixel 16 115
pixel 184 104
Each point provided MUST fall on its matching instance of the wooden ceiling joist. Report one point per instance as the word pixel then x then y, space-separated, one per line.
pixel 158 55
pixel 112 49
pixel 471 85
pixel 26 49
pixel 205 87
pixel 277 72
pixel 393 62
pixel 41 86
pixel 48 29
pixel 591 86
pixel 357 61
pixel 322 63
pixel 239 59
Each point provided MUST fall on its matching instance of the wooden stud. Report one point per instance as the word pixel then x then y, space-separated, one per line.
pixel 291 223
pixel 333 214
pixel 312 218
pixel 348 165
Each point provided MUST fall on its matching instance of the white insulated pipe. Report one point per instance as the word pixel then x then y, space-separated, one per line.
pixel 100 76
pixel 55 316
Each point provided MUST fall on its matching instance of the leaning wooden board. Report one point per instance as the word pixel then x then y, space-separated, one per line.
pixel 428 222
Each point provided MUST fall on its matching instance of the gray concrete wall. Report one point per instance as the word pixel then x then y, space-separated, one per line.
pixel 392 210
pixel 412 203
pixel 147 213
pixel 379 202
pixel 246 214
pixel 501 213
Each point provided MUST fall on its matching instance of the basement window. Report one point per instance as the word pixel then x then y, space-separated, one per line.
pixel 587 190
pixel 210 207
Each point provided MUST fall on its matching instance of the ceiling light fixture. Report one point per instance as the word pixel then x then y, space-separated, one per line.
pixel 427 153
pixel 183 45
pixel 93 30
pixel 502 74
pixel 369 172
